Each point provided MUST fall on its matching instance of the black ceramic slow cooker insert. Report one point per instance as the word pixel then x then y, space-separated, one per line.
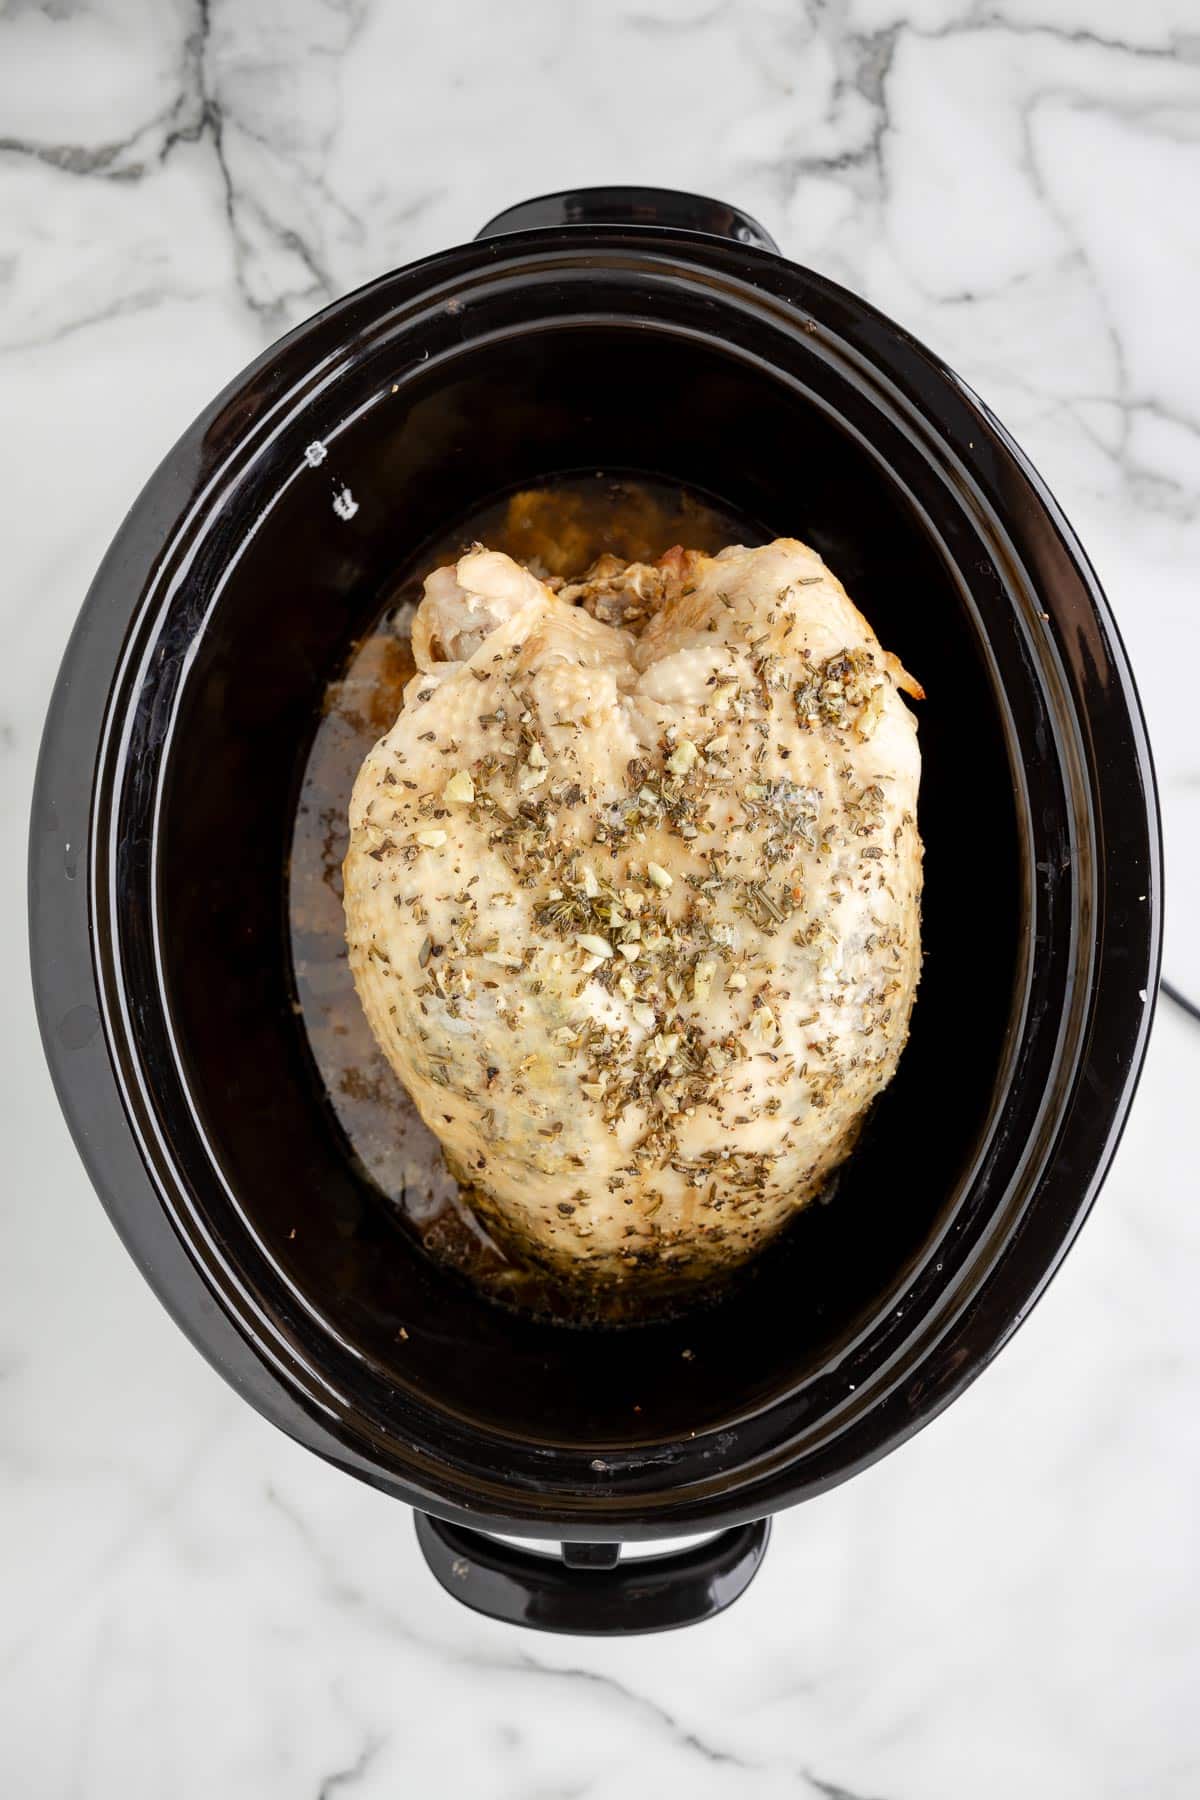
pixel 634 331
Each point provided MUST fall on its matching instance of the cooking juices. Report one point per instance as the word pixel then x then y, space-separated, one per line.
pixel 557 530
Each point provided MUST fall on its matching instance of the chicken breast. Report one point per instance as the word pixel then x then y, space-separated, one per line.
pixel 632 898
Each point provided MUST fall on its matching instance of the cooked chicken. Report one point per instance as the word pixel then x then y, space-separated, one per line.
pixel 632 897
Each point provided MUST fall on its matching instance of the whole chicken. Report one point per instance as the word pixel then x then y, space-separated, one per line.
pixel 632 898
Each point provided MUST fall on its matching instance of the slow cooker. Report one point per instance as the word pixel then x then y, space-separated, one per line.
pixel 633 331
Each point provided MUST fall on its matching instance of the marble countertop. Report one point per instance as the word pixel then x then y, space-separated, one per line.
pixel 1010 1605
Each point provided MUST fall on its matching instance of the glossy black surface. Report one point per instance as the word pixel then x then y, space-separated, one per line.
pixel 219 844
pixel 655 207
pixel 587 1592
pixel 173 752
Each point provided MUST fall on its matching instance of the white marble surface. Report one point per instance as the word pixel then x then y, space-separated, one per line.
pixel 1009 1606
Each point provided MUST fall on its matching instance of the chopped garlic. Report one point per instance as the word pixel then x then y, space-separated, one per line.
pixel 643 1014
pixel 683 758
pixel 537 757
pixel 595 946
pixel 870 713
pixel 460 789
pixel 763 1022
pixel 702 980
pixel 659 875
pixel 433 840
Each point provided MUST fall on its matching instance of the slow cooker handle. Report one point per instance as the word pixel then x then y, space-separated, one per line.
pixel 632 206
pixel 589 1590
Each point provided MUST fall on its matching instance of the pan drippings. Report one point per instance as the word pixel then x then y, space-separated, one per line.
pixel 559 530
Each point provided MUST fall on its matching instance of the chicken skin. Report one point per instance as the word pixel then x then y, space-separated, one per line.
pixel 632 898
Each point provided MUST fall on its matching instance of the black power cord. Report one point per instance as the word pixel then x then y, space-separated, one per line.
pixel 1180 1000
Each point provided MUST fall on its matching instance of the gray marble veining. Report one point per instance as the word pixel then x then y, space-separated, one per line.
pixel 1010 1605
